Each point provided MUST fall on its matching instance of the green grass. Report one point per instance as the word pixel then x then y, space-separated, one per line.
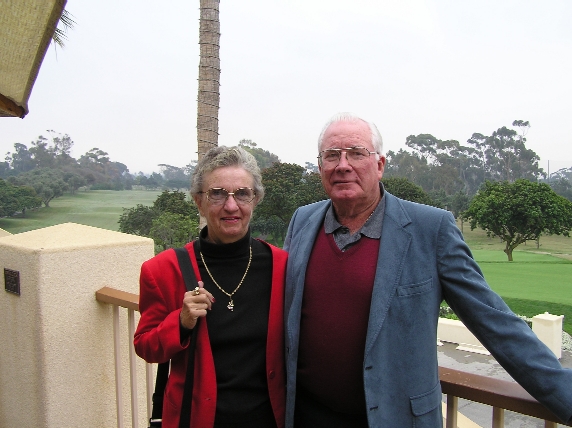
pixel 538 283
pixel 530 308
pixel 98 208
pixel 538 280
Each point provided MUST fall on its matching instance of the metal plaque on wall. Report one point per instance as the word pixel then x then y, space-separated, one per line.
pixel 12 281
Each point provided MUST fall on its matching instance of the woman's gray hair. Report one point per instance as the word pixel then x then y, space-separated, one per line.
pixel 376 139
pixel 222 156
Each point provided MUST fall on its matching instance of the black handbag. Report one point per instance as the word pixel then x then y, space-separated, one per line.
pixel 156 419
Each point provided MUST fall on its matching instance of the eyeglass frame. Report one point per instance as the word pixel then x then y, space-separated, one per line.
pixel 223 201
pixel 340 151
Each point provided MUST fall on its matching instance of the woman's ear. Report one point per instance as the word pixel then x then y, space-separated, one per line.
pixel 199 202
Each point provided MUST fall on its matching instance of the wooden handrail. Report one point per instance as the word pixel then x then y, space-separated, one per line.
pixel 118 297
pixel 494 392
pixel 481 389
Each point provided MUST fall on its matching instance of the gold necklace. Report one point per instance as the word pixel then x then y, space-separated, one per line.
pixel 230 305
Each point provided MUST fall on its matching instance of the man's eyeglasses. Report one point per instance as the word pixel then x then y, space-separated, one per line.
pixel 219 195
pixel 330 158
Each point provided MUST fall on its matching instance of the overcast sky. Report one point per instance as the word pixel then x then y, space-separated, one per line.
pixel 126 82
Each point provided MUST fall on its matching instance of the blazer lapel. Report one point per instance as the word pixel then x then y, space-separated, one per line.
pixel 395 241
pixel 305 242
pixel 299 255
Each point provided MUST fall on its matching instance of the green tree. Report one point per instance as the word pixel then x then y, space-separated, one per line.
pixel 171 221
pixel 271 226
pixel 505 154
pixel 405 189
pixel 562 187
pixel 311 189
pixel 459 203
pixel 41 153
pixel 20 160
pixel 137 220
pixel 14 199
pixel 408 165
pixel 175 202
pixel 48 183
pixel 518 212
pixel 176 177
pixel 281 183
pixel 264 158
pixel 173 230
pixel 287 186
pixel 61 148
pixel 74 181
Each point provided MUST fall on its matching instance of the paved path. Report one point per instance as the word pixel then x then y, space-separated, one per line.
pixel 486 365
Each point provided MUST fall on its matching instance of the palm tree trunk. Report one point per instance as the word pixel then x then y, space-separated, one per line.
pixel 209 77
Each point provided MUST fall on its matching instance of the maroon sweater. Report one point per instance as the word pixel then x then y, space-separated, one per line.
pixel 335 312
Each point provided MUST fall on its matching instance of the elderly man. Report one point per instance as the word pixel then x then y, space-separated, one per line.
pixel 366 275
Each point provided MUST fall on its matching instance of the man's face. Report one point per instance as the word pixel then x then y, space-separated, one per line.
pixel 351 184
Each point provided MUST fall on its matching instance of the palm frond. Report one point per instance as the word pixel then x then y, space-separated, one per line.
pixel 67 23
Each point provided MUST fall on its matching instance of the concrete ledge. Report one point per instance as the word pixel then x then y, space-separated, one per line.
pixel 454 331
pixel 547 327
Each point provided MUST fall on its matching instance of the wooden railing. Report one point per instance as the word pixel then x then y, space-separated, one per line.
pixel 129 301
pixel 500 394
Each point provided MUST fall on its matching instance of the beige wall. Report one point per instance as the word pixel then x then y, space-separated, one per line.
pixel 56 359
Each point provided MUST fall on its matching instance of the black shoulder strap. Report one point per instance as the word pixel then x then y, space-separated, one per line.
pixel 160 384
pixel 190 283
pixel 163 368
pixel 186 268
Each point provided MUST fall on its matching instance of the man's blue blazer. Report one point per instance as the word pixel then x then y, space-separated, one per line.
pixel 423 259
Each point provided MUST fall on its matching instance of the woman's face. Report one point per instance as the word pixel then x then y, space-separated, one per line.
pixel 227 221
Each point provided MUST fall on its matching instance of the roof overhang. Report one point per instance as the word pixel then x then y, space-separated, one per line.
pixel 26 29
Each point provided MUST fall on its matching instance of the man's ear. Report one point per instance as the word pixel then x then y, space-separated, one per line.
pixel 380 166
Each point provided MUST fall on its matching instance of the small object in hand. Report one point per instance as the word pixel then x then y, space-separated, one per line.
pixel 196 291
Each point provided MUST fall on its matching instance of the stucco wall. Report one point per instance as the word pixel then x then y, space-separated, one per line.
pixel 56 359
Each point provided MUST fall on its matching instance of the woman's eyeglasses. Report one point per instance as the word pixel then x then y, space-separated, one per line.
pixel 219 195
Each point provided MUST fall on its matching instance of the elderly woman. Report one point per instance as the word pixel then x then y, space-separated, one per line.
pixel 239 369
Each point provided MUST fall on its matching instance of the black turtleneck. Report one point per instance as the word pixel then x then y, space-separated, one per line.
pixel 238 337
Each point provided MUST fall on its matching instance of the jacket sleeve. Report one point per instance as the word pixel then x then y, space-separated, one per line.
pixel 162 289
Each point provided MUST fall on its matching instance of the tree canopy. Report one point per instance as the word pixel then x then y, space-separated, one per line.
pixel 518 212
pixel 171 222
pixel 264 158
pixel 445 167
pixel 48 183
pixel 406 189
pixel 14 199
pixel 287 187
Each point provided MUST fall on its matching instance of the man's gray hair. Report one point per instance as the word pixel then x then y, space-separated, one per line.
pixel 376 139
pixel 222 156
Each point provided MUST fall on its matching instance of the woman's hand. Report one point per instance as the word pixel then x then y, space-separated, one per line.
pixel 195 304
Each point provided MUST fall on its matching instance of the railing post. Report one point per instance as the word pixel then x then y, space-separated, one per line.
pixel 118 388
pixel 132 368
pixel 452 408
pixel 498 417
